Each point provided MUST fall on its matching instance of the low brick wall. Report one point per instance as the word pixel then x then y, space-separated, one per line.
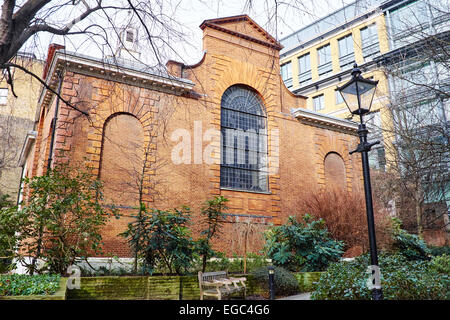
pixel 306 280
pixel 148 288
pixel 161 287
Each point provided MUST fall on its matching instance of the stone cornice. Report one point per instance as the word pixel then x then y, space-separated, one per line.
pixel 66 61
pixel 324 121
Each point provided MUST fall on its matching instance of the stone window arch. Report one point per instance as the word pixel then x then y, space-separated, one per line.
pixel 121 162
pixel 244 140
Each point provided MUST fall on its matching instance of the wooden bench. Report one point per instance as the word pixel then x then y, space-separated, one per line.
pixel 218 284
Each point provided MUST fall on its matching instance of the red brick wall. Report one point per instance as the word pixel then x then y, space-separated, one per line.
pixel 296 150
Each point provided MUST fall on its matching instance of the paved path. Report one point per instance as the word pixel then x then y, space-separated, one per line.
pixel 301 296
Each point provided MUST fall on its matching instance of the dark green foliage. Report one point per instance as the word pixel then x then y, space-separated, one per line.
pixel 5 201
pixel 162 239
pixel 61 219
pixel 441 264
pixel 285 282
pixel 24 285
pixel 400 280
pixel 10 221
pixel 213 213
pixel 438 251
pixel 235 264
pixel 409 245
pixel 302 246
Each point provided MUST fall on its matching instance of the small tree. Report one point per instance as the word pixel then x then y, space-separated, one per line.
pixel 213 219
pixel 162 239
pixel 10 221
pixel 302 246
pixel 61 219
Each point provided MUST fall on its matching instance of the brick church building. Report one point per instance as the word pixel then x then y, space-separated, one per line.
pixel 224 126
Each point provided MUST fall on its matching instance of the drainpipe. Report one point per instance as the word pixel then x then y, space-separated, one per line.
pixel 53 124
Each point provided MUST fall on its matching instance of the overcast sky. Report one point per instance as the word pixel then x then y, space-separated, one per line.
pixel 192 13
pixel 292 15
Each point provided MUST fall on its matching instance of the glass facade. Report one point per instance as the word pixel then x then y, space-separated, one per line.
pixel 328 23
pixel 244 141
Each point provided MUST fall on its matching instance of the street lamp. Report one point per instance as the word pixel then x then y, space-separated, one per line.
pixel 358 95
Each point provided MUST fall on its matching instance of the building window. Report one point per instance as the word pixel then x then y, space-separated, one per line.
pixel 3 96
pixel 409 23
pixel 129 36
pixel 244 140
pixel 286 74
pixel 319 103
pixel 339 98
pixel 324 61
pixel 304 66
pixel 346 53
pixel 369 41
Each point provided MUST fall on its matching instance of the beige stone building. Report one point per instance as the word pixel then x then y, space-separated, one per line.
pixel 17 116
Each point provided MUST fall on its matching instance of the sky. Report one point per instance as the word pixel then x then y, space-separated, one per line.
pixel 189 14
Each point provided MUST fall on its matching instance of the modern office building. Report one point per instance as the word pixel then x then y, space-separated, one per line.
pixel 403 44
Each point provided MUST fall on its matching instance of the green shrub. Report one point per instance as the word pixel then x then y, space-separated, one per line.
pixel 24 285
pixel 441 264
pixel 9 223
pixel 61 219
pixel 400 280
pixel 285 282
pixel 409 245
pixel 302 246
pixel 438 251
pixel 162 239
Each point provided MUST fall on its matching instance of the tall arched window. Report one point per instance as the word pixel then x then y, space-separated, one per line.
pixel 244 140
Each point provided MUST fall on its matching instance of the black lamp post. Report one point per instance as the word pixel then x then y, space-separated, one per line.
pixel 358 95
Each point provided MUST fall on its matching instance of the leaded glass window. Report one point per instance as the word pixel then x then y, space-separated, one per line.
pixel 244 140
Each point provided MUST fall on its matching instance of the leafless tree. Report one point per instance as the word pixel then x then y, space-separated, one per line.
pixel 418 111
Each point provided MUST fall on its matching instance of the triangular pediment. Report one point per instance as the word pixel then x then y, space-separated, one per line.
pixel 244 27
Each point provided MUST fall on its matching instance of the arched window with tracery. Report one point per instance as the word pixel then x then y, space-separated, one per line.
pixel 244 140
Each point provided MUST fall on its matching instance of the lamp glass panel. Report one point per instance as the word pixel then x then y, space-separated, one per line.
pixel 366 92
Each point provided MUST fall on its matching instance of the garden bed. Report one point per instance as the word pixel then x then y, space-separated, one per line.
pixel 59 294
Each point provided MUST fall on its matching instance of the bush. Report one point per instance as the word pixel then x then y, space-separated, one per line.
pixel 305 246
pixel 438 251
pixel 61 219
pixel 24 285
pixel 400 280
pixel 8 227
pixel 285 282
pixel 409 245
pixel 235 264
pixel 162 239
pixel 441 264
